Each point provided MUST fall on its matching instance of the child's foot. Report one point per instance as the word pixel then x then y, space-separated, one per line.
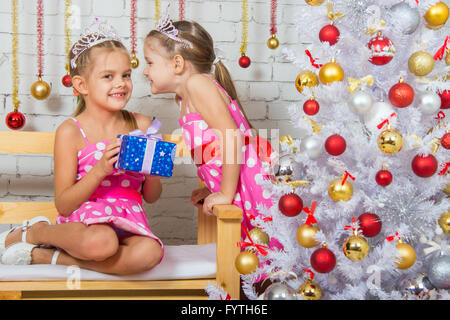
pixel 42 256
pixel 16 235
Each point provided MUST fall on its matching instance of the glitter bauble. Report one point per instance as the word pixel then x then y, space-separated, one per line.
pixel 360 102
pixel 305 235
pixel 445 99
pixel 439 272
pixel 66 81
pixel 338 191
pixel 421 63
pixel 244 61
pixel 404 17
pixel 401 95
pixel 273 42
pixel 444 222
pixel 246 262
pixel 355 248
pixel 306 79
pixel 259 237
pixel 310 290
pixel 406 256
pixel 329 34
pixel 40 90
pixel 331 72
pixel 390 141
pixel 279 291
pixel 424 166
pixel 381 50
pixel 15 120
pixel 437 15
pixel 445 140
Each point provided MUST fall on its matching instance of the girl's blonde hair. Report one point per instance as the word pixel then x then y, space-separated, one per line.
pixel 201 55
pixel 82 64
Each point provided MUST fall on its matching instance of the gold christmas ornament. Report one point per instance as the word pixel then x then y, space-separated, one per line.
pixel 331 72
pixel 407 255
pixel 273 42
pixel 310 290
pixel 444 223
pixel 246 262
pixel 305 235
pixel 355 247
pixel 40 89
pixel 314 2
pixel 421 63
pixel 338 192
pixel 306 79
pixel 447 190
pixel 134 61
pixel 390 141
pixel 437 16
pixel 259 237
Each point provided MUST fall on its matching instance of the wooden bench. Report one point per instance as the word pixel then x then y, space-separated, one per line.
pixel 225 231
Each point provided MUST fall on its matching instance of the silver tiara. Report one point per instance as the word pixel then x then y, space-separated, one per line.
pixel 97 32
pixel 166 27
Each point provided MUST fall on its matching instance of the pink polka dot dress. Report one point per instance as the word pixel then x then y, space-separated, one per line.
pixel 117 201
pixel 205 150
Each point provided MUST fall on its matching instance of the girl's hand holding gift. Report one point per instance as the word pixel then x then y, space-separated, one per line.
pixel 105 166
pixel 213 199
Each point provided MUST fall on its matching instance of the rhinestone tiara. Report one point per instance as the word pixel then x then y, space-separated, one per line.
pixel 166 27
pixel 97 32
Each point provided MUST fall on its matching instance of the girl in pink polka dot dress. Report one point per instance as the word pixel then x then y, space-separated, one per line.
pixel 101 225
pixel 180 56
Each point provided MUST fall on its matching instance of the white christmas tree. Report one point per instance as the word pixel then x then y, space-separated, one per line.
pixel 373 89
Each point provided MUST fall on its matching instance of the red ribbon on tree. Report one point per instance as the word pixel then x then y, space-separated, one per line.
pixel 440 115
pixel 444 170
pixel 260 248
pixel 440 53
pixel 310 220
pixel 309 272
pixel 351 226
pixel 391 238
pixel 265 219
pixel 228 297
pixel 345 177
pixel 312 60
pixel 379 126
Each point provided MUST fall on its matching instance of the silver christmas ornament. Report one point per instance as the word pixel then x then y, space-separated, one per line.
pixel 404 17
pixel 439 272
pixel 420 284
pixel 429 102
pixel 360 102
pixel 312 146
pixel 279 291
pixel 285 166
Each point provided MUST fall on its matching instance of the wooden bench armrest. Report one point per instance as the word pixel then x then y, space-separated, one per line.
pixel 229 219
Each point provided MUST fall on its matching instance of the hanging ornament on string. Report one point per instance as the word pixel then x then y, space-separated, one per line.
pixel 244 61
pixel 383 177
pixel 273 42
pixel 133 15
pixel 15 120
pixel 323 260
pixel 424 166
pixel 436 16
pixel 181 8
pixel 406 256
pixel 401 94
pixel 311 106
pixel 307 231
pixel 310 290
pixel 355 247
pixel 247 261
pixel 40 89
pixel 66 79
pixel 330 33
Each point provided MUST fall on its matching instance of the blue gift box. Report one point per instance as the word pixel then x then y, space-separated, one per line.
pixel 146 153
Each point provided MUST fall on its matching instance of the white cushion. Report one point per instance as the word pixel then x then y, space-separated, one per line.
pixel 179 262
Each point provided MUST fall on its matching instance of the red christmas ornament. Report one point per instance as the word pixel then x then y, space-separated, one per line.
pixel 335 145
pixel 244 61
pixel 383 178
pixel 323 260
pixel 15 120
pixel 401 95
pixel 330 34
pixel 382 50
pixel 67 81
pixel 445 99
pixel 424 166
pixel 311 107
pixel 370 224
pixel 290 204
pixel 445 140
